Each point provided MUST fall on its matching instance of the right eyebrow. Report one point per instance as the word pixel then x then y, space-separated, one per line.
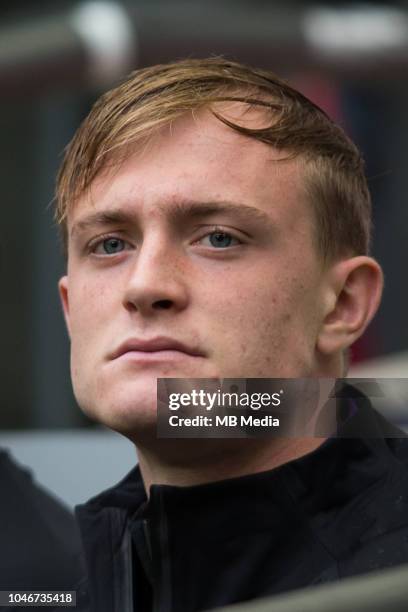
pixel 100 219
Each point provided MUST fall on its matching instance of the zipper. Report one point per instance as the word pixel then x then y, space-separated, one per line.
pixel 159 542
pixel 122 568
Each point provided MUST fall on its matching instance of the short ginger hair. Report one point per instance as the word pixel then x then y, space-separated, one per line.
pixel 153 97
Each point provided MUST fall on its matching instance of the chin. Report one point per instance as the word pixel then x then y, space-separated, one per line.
pixel 131 420
pixel 124 408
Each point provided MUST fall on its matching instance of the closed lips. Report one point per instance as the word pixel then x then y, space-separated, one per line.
pixel 154 345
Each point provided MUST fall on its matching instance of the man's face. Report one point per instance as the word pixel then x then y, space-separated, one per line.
pixel 194 258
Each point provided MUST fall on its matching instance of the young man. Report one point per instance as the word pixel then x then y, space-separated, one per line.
pixel 217 225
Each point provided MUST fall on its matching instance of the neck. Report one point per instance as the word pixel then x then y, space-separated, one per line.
pixel 193 462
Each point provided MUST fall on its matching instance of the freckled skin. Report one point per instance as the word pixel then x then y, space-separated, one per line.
pixel 256 314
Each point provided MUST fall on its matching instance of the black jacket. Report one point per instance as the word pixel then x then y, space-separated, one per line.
pixel 339 511
pixel 39 540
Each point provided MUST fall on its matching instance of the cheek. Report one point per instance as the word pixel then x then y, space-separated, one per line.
pixel 257 297
pixel 262 315
pixel 88 299
pixel 89 311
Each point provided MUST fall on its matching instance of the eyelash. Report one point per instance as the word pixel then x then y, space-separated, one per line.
pixel 96 242
pixel 220 230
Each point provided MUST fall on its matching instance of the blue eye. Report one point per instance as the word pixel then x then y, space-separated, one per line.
pixel 110 246
pixel 221 240
pixel 113 245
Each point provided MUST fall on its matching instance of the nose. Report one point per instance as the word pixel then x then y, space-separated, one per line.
pixel 157 281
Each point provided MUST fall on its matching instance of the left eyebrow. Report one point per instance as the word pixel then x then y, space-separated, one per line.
pixel 193 209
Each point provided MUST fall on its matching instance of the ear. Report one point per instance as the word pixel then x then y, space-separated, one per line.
pixel 353 295
pixel 63 292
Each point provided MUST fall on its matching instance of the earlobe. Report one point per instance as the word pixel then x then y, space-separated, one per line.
pixel 356 286
pixel 63 292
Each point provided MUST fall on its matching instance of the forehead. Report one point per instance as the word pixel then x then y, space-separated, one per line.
pixel 199 159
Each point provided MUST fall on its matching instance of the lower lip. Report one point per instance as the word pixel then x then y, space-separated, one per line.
pixel 164 356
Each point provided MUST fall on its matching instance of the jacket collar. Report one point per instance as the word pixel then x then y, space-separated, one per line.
pixel 305 505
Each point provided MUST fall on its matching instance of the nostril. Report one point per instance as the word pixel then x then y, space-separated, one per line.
pixel 163 304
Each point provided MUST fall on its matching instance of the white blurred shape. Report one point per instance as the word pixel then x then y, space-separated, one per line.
pixel 109 38
pixel 361 30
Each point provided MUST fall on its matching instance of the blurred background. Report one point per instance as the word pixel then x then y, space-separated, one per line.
pixel 55 60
